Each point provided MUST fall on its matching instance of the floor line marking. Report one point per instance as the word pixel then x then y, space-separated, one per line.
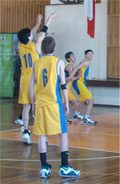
pixel 75 147
pixel 94 173
pixel 58 160
pixel 16 129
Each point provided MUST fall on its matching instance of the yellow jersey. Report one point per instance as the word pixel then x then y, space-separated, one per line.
pixel 28 55
pixel 47 81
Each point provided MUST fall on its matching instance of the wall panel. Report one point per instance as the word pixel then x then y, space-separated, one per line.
pixel 113 50
pixel 16 14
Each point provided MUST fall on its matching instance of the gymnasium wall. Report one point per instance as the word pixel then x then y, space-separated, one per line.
pixel 16 14
pixel 70 32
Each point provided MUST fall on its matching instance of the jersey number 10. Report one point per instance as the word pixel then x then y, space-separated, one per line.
pixel 28 60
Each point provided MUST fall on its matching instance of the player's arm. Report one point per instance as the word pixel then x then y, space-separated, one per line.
pixel 83 63
pixel 41 35
pixel 37 25
pixel 63 85
pixel 71 72
pixel 31 89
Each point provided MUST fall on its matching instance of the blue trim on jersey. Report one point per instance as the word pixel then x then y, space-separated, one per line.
pixel 86 74
pixel 61 109
pixel 75 86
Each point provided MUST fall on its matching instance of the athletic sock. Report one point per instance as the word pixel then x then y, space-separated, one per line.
pixel 64 158
pixel 43 159
pixel 26 131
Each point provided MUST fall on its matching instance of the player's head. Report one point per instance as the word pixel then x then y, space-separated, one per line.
pixel 88 54
pixel 25 35
pixel 70 57
pixel 48 45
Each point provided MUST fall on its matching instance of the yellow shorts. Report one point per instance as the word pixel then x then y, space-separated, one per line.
pixel 49 120
pixel 85 94
pixel 24 97
pixel 71 95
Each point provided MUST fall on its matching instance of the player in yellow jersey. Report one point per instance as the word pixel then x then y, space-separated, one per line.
pixel 73 73
pixel 49 77
pixel 78 92
pixel 85 94
pixel 29 53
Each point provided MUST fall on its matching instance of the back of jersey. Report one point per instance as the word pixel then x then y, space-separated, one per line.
pixel 47 81
pixel 28 56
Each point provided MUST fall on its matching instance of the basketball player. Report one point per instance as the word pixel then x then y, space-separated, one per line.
pixel 73 74
pixel 49 77
pixel 29 53
pixel 85 94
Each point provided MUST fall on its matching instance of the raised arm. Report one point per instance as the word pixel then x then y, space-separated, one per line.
pixel 41 35
pixel 63 85
pixel 83 63
pixel 37 25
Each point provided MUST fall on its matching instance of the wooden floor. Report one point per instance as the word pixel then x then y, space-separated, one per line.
pixel 94 150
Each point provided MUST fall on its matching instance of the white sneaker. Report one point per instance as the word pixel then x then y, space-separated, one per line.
pixel 19 122
pixel 45 172
pixel 88 120
pixel 27 139
pixel 68 171
pixel 78 116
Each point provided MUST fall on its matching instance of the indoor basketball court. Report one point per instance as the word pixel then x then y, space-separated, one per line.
pixel 93 148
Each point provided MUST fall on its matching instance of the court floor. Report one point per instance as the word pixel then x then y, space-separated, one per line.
pixel 94 150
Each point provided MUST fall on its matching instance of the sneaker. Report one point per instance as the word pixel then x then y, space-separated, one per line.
pixel 27 139
pixel 88 121
pixel 78 116
pixel 45 172
pixel 68 171
pixel 19 122
pixel 22 130
pixel 69 120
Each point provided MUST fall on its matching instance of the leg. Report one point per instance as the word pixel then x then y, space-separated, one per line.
pixel 78 106
pixel 25 117
pixel 65 169
pixel 45 171
pixel 89 106
pixel 87 118
pixel 19 120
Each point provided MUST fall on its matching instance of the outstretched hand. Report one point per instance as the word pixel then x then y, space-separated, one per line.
pixel 67 110
pixel 53 15
pixel 39 18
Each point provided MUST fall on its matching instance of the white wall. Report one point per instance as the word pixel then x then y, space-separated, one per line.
pixel 106 95
pixel 70 32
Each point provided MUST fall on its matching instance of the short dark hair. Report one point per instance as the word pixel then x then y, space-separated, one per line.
pixel 67 55
pixel 88 50
pixel 48 45
pixel 23 35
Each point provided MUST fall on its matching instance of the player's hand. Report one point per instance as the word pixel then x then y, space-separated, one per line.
pixel 39 18
pixel 67 110
pixel 53 15
pixel 33 111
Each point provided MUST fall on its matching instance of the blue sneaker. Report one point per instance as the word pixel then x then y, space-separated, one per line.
pixel 45 172
pixel 68 171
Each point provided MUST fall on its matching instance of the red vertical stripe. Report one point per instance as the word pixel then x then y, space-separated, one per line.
pixel 91 23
